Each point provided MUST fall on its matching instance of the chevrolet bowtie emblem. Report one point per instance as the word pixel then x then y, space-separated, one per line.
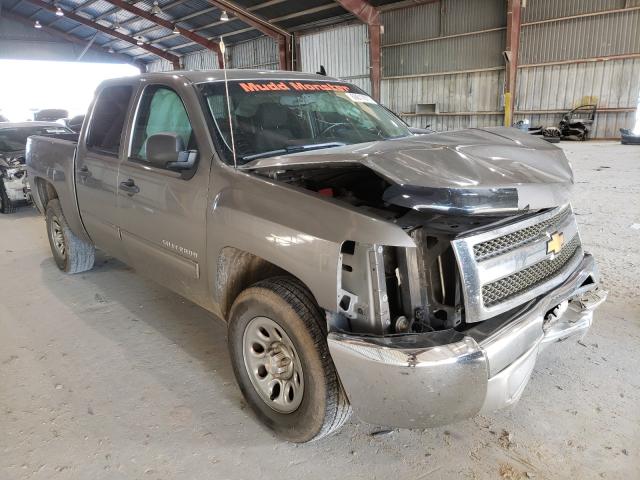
pixel 555 243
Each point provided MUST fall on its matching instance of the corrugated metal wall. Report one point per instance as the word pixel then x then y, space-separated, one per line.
pixel 261 53
pixel 582 37
pixel 579 76
pixel 456 96
pixel 423 48
pixel 342 50
pixel 546 9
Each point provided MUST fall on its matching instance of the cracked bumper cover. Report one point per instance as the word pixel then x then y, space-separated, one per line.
pixel 436 378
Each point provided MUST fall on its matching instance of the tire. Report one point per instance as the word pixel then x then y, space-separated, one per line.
pixel 72 254
pixel 6 205
pixel 323 406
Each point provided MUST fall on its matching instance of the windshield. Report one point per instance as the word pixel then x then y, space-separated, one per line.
pixel 279 117
pixel 14 139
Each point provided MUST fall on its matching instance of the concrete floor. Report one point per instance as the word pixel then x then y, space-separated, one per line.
pixel 105 375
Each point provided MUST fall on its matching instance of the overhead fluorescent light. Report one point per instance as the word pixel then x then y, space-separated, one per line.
pixel 156 10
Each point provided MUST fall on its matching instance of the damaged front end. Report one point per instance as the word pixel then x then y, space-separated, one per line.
pixel 436 332
pixel 14 187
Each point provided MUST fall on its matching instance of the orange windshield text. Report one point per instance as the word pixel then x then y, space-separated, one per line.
pixel 298 86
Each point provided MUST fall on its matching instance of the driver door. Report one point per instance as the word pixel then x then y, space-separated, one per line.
pixel 162 212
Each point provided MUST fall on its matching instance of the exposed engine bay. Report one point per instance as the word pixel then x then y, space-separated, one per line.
pixel 14 187
pixel 413 290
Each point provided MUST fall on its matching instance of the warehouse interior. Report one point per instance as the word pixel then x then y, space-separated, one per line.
pixel 107 374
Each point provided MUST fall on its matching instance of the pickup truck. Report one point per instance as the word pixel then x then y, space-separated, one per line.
pixel 359 266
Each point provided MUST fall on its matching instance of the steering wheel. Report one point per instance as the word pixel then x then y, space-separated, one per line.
pixel 333 126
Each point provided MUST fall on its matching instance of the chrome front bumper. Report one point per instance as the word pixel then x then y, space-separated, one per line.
pixel 436 378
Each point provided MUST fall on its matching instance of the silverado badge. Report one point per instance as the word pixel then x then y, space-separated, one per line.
pixel 555 243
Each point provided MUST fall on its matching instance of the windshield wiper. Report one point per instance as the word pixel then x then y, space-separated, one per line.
pixel 293 149
pixel 313 146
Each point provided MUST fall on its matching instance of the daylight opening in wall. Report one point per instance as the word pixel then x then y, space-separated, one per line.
pixel 27 86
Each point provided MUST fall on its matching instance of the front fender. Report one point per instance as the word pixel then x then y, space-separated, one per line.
pixel 295 230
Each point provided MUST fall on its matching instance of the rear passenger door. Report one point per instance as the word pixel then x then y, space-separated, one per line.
pixel 161 213
pixel 97 160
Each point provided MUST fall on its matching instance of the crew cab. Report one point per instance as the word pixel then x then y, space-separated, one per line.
pixel 411 278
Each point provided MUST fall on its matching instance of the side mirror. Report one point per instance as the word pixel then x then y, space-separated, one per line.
pixel 166 150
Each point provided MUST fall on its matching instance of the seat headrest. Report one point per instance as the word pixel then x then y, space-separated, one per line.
pixel 272 115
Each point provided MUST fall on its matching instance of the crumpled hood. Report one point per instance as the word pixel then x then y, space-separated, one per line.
pixel 495 169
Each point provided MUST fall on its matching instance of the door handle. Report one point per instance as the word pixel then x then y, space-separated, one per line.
pixel 129 186
pixel 84 172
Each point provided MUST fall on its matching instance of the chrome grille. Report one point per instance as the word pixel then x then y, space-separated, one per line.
pixel 529 278
pixel 512 241
pixel 509 265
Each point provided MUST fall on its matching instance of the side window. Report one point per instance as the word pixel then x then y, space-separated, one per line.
pixel 107 121
pixel 161 110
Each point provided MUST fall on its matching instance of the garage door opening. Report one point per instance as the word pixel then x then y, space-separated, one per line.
pixel 27 86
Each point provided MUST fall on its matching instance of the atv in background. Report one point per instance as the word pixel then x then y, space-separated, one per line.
pixel 575 125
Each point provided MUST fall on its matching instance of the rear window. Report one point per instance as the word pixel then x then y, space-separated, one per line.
pixel 107 121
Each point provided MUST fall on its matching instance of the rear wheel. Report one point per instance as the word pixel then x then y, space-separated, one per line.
pixel 282 363
pixel 72 254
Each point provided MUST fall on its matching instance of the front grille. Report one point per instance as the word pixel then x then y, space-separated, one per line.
pixel 529 278
pixel 506 243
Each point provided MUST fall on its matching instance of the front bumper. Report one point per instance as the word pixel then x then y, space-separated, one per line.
pixel 17 189
pixel 436 378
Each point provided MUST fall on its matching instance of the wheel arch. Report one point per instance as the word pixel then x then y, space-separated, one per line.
pixel 236 270
pixel 43 193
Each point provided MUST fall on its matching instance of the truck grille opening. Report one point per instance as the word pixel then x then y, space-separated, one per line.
pixel 506 243
pixel 529 278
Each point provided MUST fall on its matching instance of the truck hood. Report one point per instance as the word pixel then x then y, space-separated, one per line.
pixel 472 171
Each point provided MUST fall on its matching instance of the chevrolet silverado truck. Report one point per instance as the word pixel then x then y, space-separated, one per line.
pixel 411 278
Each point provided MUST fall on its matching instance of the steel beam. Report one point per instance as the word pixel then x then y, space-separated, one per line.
pixel 72 39
pixel 369 15
pixel 243 30
pixel 282 36
pixel 511 58
pixel 113 11
pixel 194 37
pixel 175 60
pixel 77 9
pixel 200 13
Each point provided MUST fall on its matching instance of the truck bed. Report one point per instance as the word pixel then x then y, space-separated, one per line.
pixel 52 160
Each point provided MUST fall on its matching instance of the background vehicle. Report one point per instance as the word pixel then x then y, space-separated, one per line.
pixel 50 115
pixel 575 125
pixel 13 172
pixel 413 278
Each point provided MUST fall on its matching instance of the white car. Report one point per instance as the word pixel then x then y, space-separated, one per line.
pixel 14 187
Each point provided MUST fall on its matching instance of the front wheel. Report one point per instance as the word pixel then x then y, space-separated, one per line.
pixel 282 363
pixel 6 205
pixel 71 253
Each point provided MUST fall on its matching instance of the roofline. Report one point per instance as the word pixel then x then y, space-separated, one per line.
pixel 202 76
